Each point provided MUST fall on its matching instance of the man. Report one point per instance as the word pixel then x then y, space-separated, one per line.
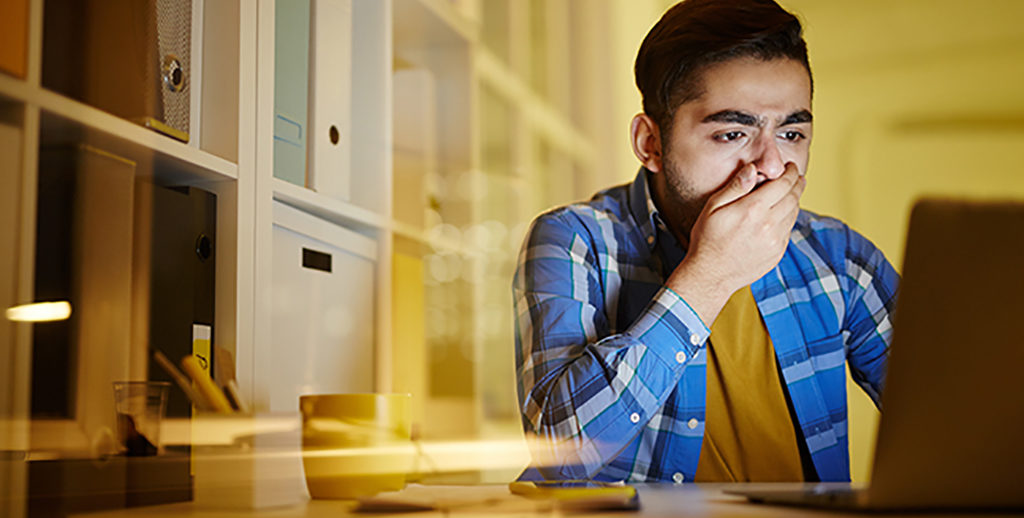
pixel 694 325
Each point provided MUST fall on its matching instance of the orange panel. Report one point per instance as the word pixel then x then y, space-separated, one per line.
pixel 14 37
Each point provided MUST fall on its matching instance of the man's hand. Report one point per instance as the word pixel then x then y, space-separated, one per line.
pixel 740 235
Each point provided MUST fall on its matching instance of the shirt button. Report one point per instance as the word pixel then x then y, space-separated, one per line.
pixel 678 478
pixel 634 418
pixel 694 339
pixel 680 357
pixel 692 423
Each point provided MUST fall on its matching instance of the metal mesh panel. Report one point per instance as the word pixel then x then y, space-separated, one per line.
pixel 174 39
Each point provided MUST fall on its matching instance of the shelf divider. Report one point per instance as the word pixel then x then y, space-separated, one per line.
pixel 70 118
pixel 327 208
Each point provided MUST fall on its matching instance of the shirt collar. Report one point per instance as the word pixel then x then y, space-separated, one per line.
pixel 645 213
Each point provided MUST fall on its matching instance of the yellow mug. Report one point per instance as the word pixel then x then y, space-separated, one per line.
pixel 356 444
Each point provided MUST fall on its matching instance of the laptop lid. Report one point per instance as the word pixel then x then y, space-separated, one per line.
pixel 952 433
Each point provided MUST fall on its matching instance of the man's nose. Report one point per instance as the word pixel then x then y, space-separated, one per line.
pixel 768 159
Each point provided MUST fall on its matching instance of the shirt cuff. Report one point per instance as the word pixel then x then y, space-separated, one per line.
pixel 669 326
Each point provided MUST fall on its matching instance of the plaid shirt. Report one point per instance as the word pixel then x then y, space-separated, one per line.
pixel 611 364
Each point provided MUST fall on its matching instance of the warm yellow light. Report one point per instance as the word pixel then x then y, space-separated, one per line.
pixel 40 312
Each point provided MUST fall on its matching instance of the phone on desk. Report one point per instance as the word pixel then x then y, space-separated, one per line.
pixel 591 495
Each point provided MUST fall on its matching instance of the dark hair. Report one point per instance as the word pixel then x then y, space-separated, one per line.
pixel 695 34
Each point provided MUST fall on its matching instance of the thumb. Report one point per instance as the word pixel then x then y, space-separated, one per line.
pixel 738 186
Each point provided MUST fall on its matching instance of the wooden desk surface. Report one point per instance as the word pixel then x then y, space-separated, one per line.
pixel 493 500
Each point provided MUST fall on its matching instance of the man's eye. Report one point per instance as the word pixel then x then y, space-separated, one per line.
pixel 792 136
pixel 729 136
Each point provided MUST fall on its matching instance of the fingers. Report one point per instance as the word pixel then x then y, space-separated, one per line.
pixel 792 197
pixel 786 210
pixel 774 191
pixel 741 184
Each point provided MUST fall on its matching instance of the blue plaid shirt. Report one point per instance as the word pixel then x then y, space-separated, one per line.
pixel 611 364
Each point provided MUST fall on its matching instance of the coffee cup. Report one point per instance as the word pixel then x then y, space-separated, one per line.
pixel 356 445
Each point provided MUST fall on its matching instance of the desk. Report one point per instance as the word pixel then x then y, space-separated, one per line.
pixel 655 500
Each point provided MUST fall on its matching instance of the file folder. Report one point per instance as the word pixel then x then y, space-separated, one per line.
pixel 291 89
pixel 330 94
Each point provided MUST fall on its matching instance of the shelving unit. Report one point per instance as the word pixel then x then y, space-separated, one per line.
pixel 219 161
pixel 367 211
pixel 508 146
pixel 466 146
pixel 503 139
pixel 45 120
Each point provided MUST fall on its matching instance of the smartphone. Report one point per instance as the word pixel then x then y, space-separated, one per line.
pixel 591 495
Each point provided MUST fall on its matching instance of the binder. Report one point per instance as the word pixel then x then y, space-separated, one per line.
pixel 330 94
pixel 174 281
pixel 14 37
pixel 291 89
pixel 180 281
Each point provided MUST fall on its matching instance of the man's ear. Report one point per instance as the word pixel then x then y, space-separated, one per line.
pixel 646 139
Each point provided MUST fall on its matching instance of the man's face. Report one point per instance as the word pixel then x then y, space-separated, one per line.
pixel 751 111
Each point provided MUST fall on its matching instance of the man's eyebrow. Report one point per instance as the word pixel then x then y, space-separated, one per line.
pixel 732 117
pixel 798 117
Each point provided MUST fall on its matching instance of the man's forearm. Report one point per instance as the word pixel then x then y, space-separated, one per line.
pixel 588 401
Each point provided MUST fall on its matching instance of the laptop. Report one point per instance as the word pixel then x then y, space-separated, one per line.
pixel 951 435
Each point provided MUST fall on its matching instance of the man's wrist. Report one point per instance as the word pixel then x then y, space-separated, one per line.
pixel 704 293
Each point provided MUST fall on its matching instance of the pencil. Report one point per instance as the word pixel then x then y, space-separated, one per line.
pixel 205 385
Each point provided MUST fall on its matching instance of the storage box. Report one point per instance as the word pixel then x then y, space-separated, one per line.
pixel 248 461
pixel 324 311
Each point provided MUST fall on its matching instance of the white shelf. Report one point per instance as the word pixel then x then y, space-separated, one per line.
pixel 67 119
pixel 431 23
pixel 330 209
pixel 15 89
pixel 545 119
pixel 410 232
pixel 437 243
